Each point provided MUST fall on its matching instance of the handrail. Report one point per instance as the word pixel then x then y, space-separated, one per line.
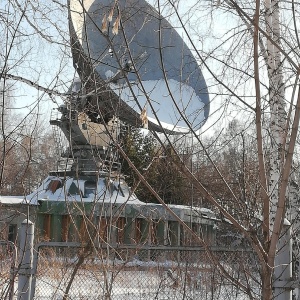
pixel 141 247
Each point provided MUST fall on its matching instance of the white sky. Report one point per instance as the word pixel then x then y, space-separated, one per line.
pixel 49 65
pixel 42 65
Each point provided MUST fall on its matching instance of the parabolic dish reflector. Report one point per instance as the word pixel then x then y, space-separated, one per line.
pixel 139 62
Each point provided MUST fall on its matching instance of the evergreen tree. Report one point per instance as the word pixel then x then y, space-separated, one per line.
pixel 157 166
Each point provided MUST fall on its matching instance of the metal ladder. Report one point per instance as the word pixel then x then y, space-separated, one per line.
pixel 56 133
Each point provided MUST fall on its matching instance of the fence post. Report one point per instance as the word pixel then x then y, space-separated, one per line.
pixel 25 260
pixel 283 265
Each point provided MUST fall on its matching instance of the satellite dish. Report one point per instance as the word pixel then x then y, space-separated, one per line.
pixel 138 63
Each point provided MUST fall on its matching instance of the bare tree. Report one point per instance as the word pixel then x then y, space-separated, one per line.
pixel 257 33
pixel 248 53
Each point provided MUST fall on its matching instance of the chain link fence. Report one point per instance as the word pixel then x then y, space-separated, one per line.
pixel 130 272
pixel 7 269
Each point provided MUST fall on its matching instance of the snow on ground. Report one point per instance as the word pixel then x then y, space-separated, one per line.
pixel 138 280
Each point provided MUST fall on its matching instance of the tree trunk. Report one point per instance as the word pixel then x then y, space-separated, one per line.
pixel 267 274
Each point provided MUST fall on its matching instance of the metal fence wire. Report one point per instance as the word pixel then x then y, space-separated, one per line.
pixel 7 269
pixel 141 272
